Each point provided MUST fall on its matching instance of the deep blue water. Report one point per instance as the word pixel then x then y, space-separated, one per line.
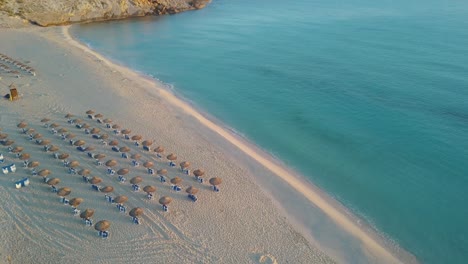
pixel 367 99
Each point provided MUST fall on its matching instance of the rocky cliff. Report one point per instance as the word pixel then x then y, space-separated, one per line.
pixel 58 12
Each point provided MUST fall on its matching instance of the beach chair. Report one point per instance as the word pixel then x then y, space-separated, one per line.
pixel 122 208
pixel 137 143
pixel 149 196
pixel 192 197
pixel 105 234
pixel 165 208
pixel 53 131
pixel 199 179
pixel 5 170
pixel 109 198
pixel 90 116
pixel 96 136
pixel 46 148
pixel 116 132
pixel 135 163
pixel 22 183
pixel 116 149
pixel 95 187
pixel 65 201
pixel 65 163
pixel 30 137
pixel 56 155
pixel 124 155
pixel 135 220
pixel 99 163
pixel 54 189
pixel 25 163
pixel 171 164
pixel 34 172
pixel 176 188
pixel 64 137
pixel 10 148
pixel 136 187
pixel 87 131
pixel 127 137
pixel 71 141
pixel 186 171
pixel 122 179
pixel 76 211
pixel 72 170
pixel 150 171
pixel 147 148
pixel 216 189
pixel 99 121
pixel 162 178
pixel 80 148
pixel 90 155
pixel 87 222
pixel 85 178
pixel 13 94
pixel 2 159
pixel 110 171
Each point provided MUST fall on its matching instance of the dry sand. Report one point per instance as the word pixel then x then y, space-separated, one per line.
pixel 240 224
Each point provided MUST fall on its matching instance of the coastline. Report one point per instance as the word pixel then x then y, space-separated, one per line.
pixel 245 150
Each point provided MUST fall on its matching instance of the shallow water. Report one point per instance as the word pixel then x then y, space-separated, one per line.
pixel 366 99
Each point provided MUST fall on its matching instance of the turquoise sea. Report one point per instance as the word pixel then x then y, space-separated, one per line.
pixel 367 99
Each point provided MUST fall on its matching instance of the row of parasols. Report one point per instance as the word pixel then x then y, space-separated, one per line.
pixel 17 64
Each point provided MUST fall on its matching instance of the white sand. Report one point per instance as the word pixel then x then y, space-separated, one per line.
pixel 240 224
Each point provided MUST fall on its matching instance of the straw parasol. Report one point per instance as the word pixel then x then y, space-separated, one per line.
pixel 136 137
pixel 3 135
pixel 159 149
pixel 95 180
pixel 215 181
pixel 64 191
pixel 107 189
pixel 123 171
pixel 95 130
pixel 148 164
pixel 172 157
pixel 191 190
pixel 53 148
pixel 8 142
pixel 44 120
pixel 115 126
pixel 89 148
pixel 135 212
pixel 62 130
pixel 104 136
pixel 113 143
pixel 102 225
pixel 147 143
pixel 165 200
pixel 44 142
pixel 149 188
pixel 99 156
pixel 44 172
pixel 37 136
pixel 70 136
pixel 17 149
pixel 22 124
pixel 31 130
pixel 63 156
pixel 53 181
pixel 107 120
pixel 98 115
pixel 135 156
pixel 69 115
pixel 78 121
pixel 74 164
pixel 111 163
pixel 25 156
pixel 90 112
pixel 84 172
pixel 85 125
pixel 126 131
pixel 33 164
pixel 124 149
pixel 176 180
pixel 75 201
pixel 184 164
pixel 198 172
pixel 79 143
pixel 162 172
pixel 87 213
pixel 121 199
pixel 54 125
pixel 136 180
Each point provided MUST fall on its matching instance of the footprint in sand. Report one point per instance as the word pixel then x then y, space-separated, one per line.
pixel 264 258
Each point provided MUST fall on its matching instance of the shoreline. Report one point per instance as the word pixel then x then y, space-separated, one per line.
pixel 370 237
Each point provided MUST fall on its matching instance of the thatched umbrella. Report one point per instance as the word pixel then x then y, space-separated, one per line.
pixel 176 180
pixel 121 199
pixel 98 116
pixel 22 124
pixel 44 142
pixel 107 121
pixel 89 148
pixel 198 172
pixel 84 172
pixel 90 112
pixel 102 225
pixel 79 143
pixel 63 156
pixel 100 156
pixel 113 143
pixel 135 156
pixel 124 149
pixel 70 136
pixel 44 172
pixel 53 181
pixel 53 148
pixel 136 180
pixel 107 189
pixel 33 164
pixel 147 143
pixel 184 165
pixel 78 121
pixel 126 131
pixel 165 200
pixel 87 213
pixel 172 157
pixel 95 180
pixel 69 115
pixel 75 201
pixel 45 120
pixel 62 130
pixel 17 149
pixel 123 171
pixel 85 125
pixel 135 212
pixel 95 130
pixel 111 163
pixel 3 135
pixel 37 136
pixel 54 125
pixel 104 136
pixel 191 190
pixel 159 149
pixel 74 164
pixel 149 189
pixel 215 181
pixel 64 191
pixel 25 156
pixel 115 126
pixel 8 142
pixel 148 164
pixel 136 137
pixel 31 131
pixel 162 172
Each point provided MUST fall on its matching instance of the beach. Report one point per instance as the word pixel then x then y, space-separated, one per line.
pixel 253 219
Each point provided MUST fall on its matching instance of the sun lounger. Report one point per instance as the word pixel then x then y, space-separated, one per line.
pixel 199 179
pixel 137 143
pixel 192 197
pixel 76 211
pixel 5 170
pixel 54 189
pixel 135 163
pixel 22 183
pixel 135 220
pixel 80 148
pixel 172 164
pixel 121 208
pixel 85 178
pixel 25 163
pixel 162 178
pixel 122 179
pixel 136 187
pixel 56 155
pixel 124 156
pixel 90 116
pixel 99 163
pixel 96 136
pixel 108 126
pixel 88 222
pixel 216 189
pixel 116 131
pixel 104 234
pixel 150 171
pixel 2 159
pixel 110 171
pixel 127 137
pixel 87 132
pixel 34 172
pixel 149 196
pixel 186 171
pixel 147 148
pixel 176 188
pixel 64 200
pixel 165 208
pixel 109 198
pixel 116 149
pixel 95 187
pixel 72 170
